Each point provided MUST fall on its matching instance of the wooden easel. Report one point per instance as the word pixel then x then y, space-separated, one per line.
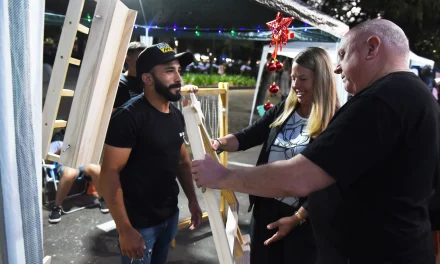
pixel 231 246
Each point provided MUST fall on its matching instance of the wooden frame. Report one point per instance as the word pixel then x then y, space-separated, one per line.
pixel 113 87
pixel 95 91
pixel 200 144
pixel 194 127
pixel 56 84
pixel 96 87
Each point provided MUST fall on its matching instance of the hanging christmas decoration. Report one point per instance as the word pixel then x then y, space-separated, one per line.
pixel 278 65
pixel 273 88
pixel 268 105
pixel 270 66
pixel 280 33
pixel 280 36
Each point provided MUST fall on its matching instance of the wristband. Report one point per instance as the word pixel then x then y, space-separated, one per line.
pixel 218 140
pixel 301 219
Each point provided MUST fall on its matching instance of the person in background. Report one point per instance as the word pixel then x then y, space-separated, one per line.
pixel 281 232
pixel 285 80
pixel 67 176
pixel 129 85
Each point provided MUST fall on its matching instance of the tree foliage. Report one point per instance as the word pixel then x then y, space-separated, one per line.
pixel 420 19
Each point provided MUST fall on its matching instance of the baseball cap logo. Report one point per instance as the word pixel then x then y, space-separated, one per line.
pixel 165 47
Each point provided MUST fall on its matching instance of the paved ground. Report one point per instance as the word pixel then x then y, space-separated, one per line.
pixel 88 236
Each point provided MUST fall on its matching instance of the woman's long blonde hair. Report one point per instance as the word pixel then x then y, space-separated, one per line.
pixel 325 100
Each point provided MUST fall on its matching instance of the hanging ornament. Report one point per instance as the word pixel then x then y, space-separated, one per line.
pixel 279 65
pixel 273 88
pixel 271 66
pixel 268 105
pixel 280 32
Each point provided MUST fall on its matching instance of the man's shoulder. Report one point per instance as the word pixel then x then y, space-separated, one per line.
pixel 398 85
pixel 400 91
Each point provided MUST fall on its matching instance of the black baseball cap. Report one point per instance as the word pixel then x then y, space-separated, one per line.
pixel 160 54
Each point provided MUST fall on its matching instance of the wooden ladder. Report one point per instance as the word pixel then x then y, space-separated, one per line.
pixel 97 83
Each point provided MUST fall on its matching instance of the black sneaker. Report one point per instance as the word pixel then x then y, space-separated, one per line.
pixel 55 215
pixel 103 206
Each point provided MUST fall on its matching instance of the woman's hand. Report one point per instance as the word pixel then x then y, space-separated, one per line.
pixel 215 144
pixel 285 225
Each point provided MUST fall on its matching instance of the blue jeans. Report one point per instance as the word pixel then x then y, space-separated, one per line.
pixel 157 241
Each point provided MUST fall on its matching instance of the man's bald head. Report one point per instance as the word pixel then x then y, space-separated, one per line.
pixel 392 36
pixel 370 51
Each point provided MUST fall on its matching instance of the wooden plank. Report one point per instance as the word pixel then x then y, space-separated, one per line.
pixel 83 29
pixel 223 207
pixel 60 123
pixel 47 260
pixel 223 118
pixel 58 77
pixel 93 82
pixel 53 157
pixel 193 121
pixel 246 247
pixel 113 87
pixel 67 93
pixel 207 91
pixel 74 61
pixel 232 231
pixel 187 221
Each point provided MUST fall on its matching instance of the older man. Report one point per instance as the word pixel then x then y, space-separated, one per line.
pixel 381 150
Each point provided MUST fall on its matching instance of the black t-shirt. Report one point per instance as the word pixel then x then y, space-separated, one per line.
pixel 382 148
pixel 148 180
pixel 128 88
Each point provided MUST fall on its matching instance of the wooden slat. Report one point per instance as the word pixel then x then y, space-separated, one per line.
pixel 53 157
pixel 47 260
pixel 245 259
pixel 58 76
pixel 60 123
pixel 113 86
pixel 206 91
pixel 193 123
pixel 187 221
pixel 67 93
pixel 223 118
pixel 83 29
pixel 93 82
pixel 74 61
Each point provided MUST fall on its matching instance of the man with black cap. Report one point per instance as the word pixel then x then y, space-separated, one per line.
pixel 144 153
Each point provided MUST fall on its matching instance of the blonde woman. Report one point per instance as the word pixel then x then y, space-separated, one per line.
pixel 281 230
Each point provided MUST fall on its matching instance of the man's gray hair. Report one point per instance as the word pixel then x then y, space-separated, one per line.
pixel 390 34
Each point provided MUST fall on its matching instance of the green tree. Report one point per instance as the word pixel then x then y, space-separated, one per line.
pixel 420 19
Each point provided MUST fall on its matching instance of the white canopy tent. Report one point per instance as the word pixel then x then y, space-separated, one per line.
pixel 291 50
pixel 416 60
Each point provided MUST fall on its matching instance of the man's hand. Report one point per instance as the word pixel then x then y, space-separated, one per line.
pixel 284 225
pixel 209 173
pixel 196 215
pixel 131 243
pixel 189 88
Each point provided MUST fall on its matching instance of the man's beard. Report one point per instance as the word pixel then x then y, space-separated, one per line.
pixel 165 91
